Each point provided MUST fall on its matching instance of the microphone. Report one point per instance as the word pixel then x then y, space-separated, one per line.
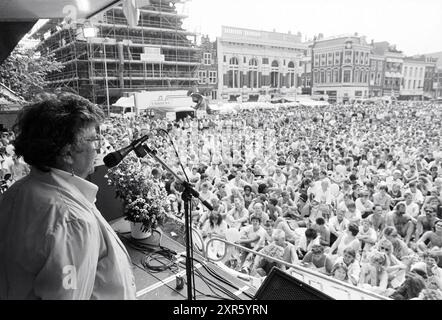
pixel 114 158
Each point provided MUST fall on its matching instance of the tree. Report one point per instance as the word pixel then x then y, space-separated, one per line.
pixel 25 69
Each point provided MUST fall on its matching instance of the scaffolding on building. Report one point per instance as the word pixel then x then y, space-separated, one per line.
pixel 118 59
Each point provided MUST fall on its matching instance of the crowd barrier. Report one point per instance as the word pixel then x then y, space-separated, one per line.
pixel 337 289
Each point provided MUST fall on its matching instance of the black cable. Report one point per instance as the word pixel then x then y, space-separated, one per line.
pixel 167 285
pixel 218 277
pixel 214 284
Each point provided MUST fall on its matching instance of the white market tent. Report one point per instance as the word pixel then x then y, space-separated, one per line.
pixel 307 102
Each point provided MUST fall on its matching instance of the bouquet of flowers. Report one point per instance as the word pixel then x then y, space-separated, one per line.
pixel 145 201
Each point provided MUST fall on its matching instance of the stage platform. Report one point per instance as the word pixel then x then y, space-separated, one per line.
pixel 152 285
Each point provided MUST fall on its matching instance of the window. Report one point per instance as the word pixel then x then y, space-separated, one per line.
pixel 265 60
pixel 337 58
pixel 380 65
pixel 291 75
pixel 335 76
pixel 308 82
pixel 212 77
pixel 328 79
pixel 253 73
pixel 322 77
pixel 347 76
pixel 233 73
pixel 202 75
pixel 316 77
pixel 330 59
pixel 405 70
pixel 316 60
pixel 225 59
pixel 207 58
pixel 414 84
pixel 323 59
pixel 348 57
pixel 356 76
pixel 357 57
pixel 420 72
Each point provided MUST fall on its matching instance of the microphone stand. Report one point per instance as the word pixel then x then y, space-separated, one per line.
pixel 187 195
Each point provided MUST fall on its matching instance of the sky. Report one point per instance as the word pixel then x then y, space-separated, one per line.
pixel 414 26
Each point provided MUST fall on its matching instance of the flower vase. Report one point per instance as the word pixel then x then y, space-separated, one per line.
pixel 137 232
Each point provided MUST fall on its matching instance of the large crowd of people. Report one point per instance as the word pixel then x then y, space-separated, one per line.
pixel 351 191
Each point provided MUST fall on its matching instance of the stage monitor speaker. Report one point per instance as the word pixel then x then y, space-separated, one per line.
pixel 281 286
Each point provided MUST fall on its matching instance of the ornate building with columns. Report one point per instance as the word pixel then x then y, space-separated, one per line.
pixel 254 64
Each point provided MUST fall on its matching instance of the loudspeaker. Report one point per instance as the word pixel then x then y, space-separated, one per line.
pixel 281 286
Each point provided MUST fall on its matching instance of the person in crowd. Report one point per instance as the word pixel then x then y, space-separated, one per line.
pixel 402 222
pixel 340 272
pixel 238 216
pixel 51 230
pixel 278 249
pixel 307 240
pixel 317 259
pixel 374 275
pixel 400 248
pixel 353 267
pixel 326 170
pixel 426 222
pixel 347 240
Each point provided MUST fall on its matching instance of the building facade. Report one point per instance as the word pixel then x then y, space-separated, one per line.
pixel 341 68
pixel 305 74
pixel 394 60
pixel 377 72
pixel 208 70
pixel 413 78
pixel 115 59
pixel 438 84
pixel 252 64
